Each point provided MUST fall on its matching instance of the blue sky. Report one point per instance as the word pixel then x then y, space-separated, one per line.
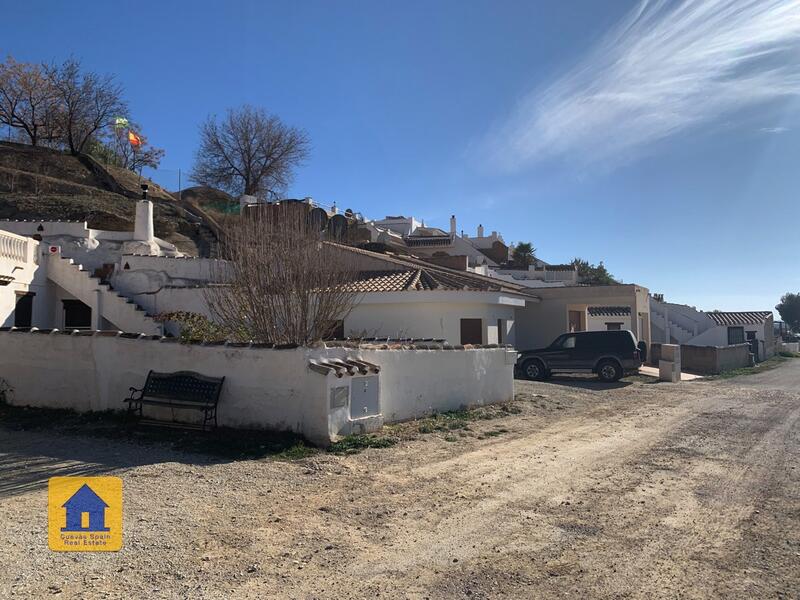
pixel 659 137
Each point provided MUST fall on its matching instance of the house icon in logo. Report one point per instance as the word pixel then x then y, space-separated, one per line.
pixel 85 502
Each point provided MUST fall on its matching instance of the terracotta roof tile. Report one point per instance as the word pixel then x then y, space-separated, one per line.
pixel 409 273
pixel 609 311
pixel 740 318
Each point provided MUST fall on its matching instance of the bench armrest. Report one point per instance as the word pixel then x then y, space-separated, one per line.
pixel 133 392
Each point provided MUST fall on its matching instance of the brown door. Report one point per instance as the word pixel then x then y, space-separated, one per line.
pixel 471 331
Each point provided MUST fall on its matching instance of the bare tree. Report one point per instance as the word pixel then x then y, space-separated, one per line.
pixel 249 152
pixel 145 156
pixel 279 282
pixel 88 103
pixel 28 101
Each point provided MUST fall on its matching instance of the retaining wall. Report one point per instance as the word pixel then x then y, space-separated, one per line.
pixel 707 360
pixel 264 388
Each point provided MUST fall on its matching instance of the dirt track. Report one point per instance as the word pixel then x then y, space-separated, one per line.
pixel 635 491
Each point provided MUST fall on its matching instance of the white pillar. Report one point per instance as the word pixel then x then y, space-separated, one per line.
pixel 480 230
pixel 452 224
pixel 143 231
pixel 97 310
pixel 246 200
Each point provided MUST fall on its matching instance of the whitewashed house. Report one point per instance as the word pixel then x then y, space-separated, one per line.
pixel 80 278
pixel 59 274
pixel 683 324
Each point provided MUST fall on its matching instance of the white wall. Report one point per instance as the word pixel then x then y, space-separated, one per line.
pixel 538 324
pixel 432 314
pixel 49 228
pixel 264 388
pixel 600 323
pixel 19 259
pixel 416 383
pixel 718 336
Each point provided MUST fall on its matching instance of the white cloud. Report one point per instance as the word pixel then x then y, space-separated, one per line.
pixel 669 66
pixel 774 129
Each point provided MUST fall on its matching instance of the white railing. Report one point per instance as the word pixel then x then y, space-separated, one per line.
pixel 13 247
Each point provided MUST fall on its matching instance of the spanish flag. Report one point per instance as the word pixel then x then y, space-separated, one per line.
pixel 134 140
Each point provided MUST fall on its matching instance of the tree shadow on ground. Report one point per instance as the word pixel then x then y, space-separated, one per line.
pixel 36 444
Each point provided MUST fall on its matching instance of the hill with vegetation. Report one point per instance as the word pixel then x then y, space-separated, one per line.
pixel 41 183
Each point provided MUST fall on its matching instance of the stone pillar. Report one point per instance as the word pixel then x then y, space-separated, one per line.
pixel 669 367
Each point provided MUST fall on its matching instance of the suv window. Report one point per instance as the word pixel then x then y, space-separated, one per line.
pixel 565 342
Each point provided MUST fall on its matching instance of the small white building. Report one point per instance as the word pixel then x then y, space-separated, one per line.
pixel 683 324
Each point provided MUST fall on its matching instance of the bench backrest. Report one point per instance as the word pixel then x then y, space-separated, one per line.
pixel 186 386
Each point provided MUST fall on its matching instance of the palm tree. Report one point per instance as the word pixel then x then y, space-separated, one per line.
pixel 524 254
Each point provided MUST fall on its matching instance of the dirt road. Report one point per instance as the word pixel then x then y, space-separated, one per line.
pixel 637 490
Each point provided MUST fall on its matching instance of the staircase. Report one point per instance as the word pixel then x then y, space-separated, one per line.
pixel 124 314
pixel 684 322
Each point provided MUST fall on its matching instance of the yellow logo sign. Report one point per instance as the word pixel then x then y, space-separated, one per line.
pixel 84 514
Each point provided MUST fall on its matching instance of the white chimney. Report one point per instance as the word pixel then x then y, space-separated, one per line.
pixel 143 229
pixel 246 200
pixel 480 231
pixel 452 224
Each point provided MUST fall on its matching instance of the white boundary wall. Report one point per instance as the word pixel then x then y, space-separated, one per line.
pixel 264 388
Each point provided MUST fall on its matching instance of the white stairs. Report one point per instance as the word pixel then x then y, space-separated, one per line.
pixel 123 313
pixel 684 322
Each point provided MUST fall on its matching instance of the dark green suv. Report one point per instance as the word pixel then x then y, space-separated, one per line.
pixel 609 354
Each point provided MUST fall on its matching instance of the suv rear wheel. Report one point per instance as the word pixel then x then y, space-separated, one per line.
pixel 609 370
pixel 534 369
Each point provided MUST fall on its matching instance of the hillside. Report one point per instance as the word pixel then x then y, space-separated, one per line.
pixel 216 202
pixel 39 183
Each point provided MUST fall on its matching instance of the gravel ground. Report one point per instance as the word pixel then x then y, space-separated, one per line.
pixel 577 489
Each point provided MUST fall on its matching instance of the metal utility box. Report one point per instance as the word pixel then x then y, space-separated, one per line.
pixel 364 399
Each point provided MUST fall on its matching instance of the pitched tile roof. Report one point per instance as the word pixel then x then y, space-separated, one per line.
pixel 407 273
pixel 740 318
pixel 609 311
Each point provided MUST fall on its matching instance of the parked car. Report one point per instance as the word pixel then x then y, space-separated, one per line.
pixel 609 354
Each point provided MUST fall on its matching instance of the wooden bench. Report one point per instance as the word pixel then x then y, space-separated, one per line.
pixel 182 389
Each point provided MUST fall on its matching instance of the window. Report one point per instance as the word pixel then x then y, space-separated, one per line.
pixel 77 315
pixel 471 331
pixel 565 342
pixel 613 326
pixel 735 335
pixel 501 338
pixel 23 311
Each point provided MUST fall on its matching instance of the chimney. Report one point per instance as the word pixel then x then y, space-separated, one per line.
pixel 143 228
pixel 480 231
pixel 452 224
pixel 334 209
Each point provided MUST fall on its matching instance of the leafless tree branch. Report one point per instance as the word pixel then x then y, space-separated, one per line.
pixel 249 152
